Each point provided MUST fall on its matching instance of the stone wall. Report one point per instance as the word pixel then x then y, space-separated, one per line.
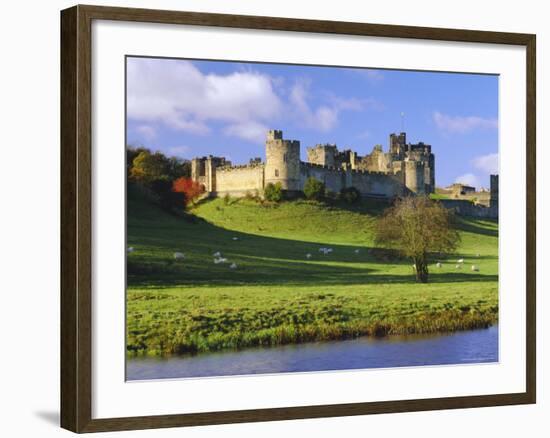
pixel 368 183
pixel 463 207
pixel 238 180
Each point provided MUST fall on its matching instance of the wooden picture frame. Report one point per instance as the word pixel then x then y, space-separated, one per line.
pixel 76 217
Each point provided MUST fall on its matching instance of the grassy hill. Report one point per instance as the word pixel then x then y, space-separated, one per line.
pixel 277 294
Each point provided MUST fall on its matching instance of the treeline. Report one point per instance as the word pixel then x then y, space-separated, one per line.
pixel 166 180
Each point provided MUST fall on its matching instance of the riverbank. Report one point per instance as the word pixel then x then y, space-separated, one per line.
pixel 208 318
pixel 465 347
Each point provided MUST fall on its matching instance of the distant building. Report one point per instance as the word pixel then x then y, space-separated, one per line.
pixel 458 189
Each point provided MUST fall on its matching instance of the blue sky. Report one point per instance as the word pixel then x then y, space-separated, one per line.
pixel 196 108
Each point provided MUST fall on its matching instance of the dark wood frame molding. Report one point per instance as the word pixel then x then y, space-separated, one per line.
pixel 76 243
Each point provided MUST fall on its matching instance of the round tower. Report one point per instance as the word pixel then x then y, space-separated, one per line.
pixel 282 161
pixel 414 176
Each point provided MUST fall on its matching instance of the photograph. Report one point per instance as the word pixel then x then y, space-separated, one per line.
pixel 288 218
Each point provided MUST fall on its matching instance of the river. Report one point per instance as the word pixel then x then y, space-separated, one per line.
pixel 473 346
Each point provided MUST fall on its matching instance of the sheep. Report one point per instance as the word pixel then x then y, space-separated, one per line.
pixel 357 251
pixel 475 268
pixel 460 261
pixel 179 256
pixel 130 249
pixel 438 264
pixel 308 255
pixel 458 266
pixel 217 254
pixel 220 260
pixel 233 266
pixel 235 238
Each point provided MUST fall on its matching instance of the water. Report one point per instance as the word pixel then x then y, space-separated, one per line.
pixel 474 346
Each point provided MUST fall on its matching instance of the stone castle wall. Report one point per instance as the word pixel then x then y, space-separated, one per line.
pixel 377 184
pixel 376 174
pixel 463 207
pixel 238 180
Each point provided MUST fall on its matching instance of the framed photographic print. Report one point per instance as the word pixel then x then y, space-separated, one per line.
pixel 270 218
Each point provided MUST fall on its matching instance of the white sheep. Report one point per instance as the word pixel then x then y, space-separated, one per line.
pixel 220 260
pixel 235 238
pixel 357 251
pixel 233 266
pixel 179 256
pixel 438 264
pixel 130 249
pixel 460 261
pixel 458 266
pixel 308 255
pixel 217 254
pixel 475 268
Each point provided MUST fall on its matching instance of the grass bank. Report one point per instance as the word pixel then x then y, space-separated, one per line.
pixel 278 295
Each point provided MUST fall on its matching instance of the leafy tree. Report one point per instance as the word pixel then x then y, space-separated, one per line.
pixel 191 189
pixel 148 167
pixel 314 189
pixel 273 192
pixel 177 168
pixel 350 195
pixel 417 226
pixel 131 153
pixel 168 199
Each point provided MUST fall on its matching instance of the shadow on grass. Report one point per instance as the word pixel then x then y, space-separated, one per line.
pixel 487 227
pixel 261 260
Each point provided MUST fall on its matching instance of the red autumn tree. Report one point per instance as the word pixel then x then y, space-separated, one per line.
pixel 191 189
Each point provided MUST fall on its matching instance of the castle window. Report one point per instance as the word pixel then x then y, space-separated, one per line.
pixel 284 158
pixel 276 172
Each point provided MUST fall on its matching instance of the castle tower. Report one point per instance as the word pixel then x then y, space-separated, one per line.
pixel 322 154
pixel 398 145
pixel 282 161
pixel 414 176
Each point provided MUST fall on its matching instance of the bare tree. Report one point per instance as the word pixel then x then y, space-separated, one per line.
pixel 417 226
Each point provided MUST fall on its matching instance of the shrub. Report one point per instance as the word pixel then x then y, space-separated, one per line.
pixel 166 197
pixel 227 199
pixel 191 189
pixel 273 192
pixel 350 195
pixel 314 189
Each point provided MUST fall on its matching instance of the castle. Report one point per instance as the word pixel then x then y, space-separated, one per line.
pixel 406 168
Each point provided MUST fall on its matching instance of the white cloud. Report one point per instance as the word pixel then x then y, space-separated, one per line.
pixel 252 131
pixel 469 179
pixel 179 151
pixel 324 117
pixel 461 125
pixel 486 163
pixel 179 95
pixel 147 132
pixel 244 103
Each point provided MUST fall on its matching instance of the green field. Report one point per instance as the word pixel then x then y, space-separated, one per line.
pixel 276 295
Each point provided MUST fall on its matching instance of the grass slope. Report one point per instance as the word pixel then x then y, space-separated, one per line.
pixel 276 295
